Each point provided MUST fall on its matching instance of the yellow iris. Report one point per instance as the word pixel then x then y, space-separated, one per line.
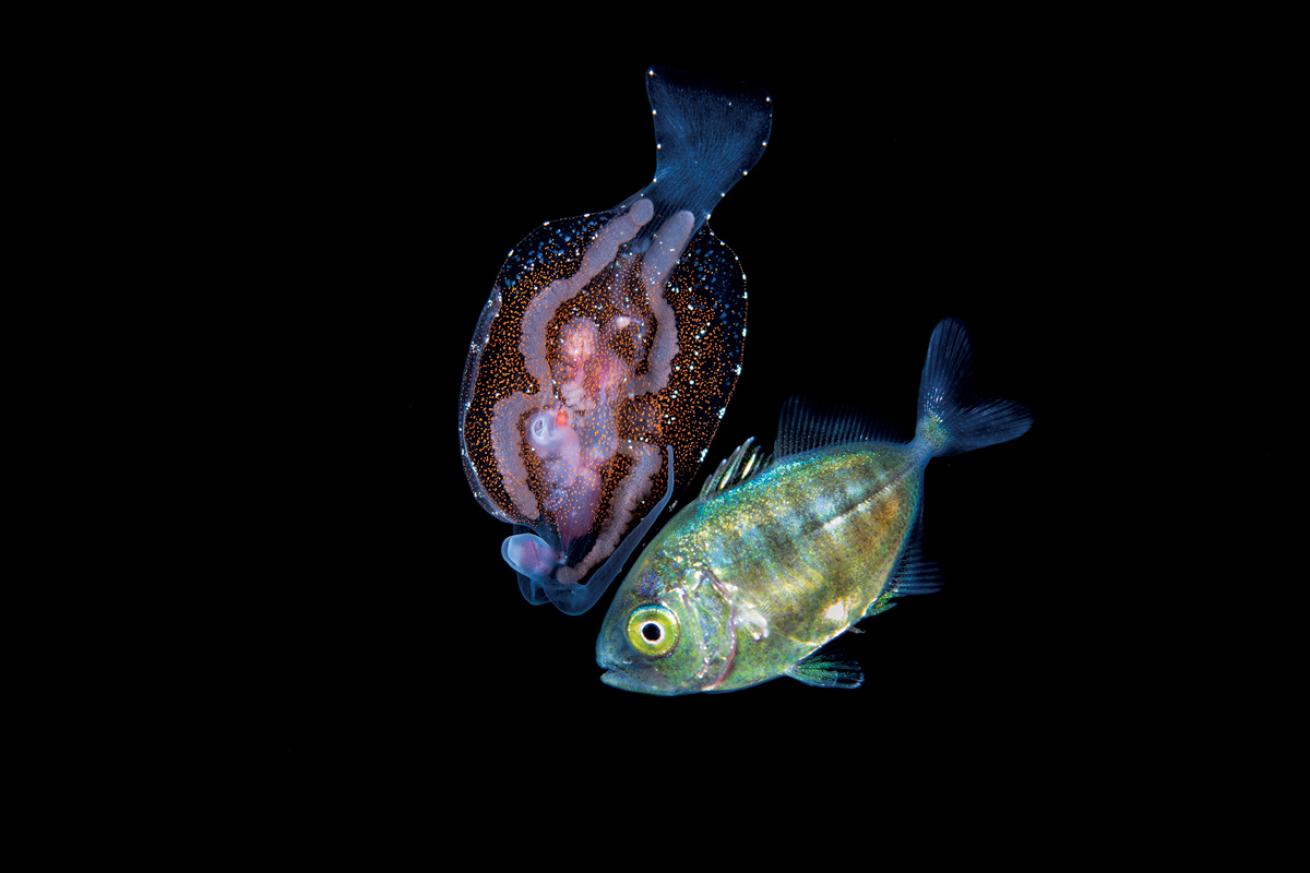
pixel 653 630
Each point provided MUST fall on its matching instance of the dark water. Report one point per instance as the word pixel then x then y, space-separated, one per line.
pixel 376 621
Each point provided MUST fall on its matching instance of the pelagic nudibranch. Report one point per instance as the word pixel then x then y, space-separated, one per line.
pixel 608 350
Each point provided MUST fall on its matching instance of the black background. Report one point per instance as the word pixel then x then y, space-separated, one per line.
pixel 369 617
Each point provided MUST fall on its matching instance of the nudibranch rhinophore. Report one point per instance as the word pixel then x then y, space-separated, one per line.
pixel 608 351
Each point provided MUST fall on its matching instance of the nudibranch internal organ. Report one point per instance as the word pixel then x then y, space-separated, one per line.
pixel 608 351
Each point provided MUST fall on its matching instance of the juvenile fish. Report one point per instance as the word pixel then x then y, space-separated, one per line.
pixel 750 581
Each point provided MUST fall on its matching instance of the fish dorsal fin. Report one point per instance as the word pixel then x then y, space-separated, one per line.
pixel 743 463
pixel 824 670
pixel 802 428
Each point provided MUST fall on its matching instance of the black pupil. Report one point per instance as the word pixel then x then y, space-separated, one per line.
pixel 651 631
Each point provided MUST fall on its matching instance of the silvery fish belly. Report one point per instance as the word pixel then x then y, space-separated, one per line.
pixel 608 351
pixel 772 562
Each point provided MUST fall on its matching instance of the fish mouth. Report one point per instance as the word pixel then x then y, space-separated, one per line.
pixel 627 682
pixel 618 679
pixel 615 676
pixel 612 673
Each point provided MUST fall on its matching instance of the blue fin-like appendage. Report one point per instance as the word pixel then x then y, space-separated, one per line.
pixel 949 421
pixel 826 671
pixel 743 463
pixel 708 135
pixel 802 428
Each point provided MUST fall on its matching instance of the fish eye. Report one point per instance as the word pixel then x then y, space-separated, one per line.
pixel 653 630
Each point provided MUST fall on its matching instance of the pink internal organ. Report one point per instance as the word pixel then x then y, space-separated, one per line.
pixel 578 437
pixel 574 431
pixel 572 478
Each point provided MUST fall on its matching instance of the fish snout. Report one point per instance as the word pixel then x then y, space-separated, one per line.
pixel 612 651
pixel 625 669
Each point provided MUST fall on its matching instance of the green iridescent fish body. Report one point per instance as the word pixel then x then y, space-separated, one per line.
pixel 787 560
pixel 771 563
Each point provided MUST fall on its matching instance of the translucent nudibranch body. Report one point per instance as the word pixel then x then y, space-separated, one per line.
pixel 750 580
pixel 608 352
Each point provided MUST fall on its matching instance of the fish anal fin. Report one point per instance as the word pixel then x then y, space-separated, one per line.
pixel 882 604
pixel 914 574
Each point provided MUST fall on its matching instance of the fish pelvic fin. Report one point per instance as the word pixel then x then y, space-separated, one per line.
pixel 825 671
pixel 949 420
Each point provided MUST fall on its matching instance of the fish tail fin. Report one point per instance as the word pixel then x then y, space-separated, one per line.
pixel 950 420
pixel 708 134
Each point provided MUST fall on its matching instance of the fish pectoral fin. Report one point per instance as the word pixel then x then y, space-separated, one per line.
pixel 825 671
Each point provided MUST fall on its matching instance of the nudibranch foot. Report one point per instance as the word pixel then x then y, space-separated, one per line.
pixel 533 559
